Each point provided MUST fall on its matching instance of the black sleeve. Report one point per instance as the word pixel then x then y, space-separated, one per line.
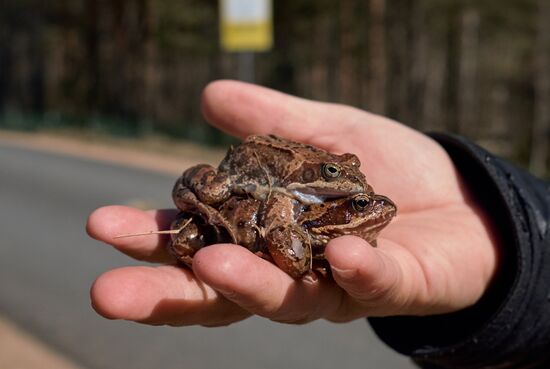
pixel 510 326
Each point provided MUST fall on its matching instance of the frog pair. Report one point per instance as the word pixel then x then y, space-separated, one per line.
pixel 281 199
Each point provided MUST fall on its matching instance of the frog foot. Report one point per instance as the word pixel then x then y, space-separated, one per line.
pixel 290 248
pixel 187 241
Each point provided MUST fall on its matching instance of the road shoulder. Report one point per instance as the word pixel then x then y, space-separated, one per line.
pixel 154 154
pixel 20 350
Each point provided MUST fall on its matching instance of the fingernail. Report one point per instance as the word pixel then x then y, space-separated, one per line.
pixel 310 278
pixel 344 273
pixel 226 292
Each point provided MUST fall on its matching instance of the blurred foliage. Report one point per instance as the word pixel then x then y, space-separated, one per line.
pixel 137 66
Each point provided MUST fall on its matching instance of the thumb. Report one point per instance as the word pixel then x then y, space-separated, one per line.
pixel 374 279
pixel 242 109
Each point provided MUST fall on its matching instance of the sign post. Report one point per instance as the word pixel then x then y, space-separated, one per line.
pixel 246 27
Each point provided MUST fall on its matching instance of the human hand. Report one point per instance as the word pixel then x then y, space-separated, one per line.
pixel 439 255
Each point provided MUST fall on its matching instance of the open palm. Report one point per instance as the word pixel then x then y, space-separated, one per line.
pixel 438 255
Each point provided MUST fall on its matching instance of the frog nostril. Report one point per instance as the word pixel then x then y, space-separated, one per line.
pixel 383 201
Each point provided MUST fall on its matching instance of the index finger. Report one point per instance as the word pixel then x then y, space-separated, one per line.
pixel 242 109
pixel 106 223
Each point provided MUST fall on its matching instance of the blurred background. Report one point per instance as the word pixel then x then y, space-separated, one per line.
pixel 99 104
pixel 133 67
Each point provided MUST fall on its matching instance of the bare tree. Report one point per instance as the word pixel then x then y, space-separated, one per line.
pixel 149 78
pixel 347 74
pixel 541 124
pixel 93 52
pixel 419 63
pixel 377 56
pixel 468 108
pixel 431 117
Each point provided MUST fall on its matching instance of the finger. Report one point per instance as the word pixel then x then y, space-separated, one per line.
pixel 242 109
pixel 108 222
pixel 261 288
pixel 377 282
pixel 161 295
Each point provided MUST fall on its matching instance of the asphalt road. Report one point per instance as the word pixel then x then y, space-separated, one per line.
pixel 47 264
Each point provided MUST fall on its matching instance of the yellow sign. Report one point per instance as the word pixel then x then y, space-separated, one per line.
pixel 246 25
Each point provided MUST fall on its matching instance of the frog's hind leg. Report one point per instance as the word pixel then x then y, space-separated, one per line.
pixel 290 248
pixel 209 185
pixel 289 244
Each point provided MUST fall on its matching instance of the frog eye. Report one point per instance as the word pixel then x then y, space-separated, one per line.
pixel 361 202
pixel 330 171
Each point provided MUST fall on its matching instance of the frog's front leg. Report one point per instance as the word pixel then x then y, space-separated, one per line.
pixel 210 186
pixel 288 244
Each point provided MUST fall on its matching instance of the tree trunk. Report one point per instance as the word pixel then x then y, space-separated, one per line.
pixel 398 64
pixel 541 124
pixel 419 64
pixel 377 80
pixel 6 61
pixel 347 73
pixel 320 36
pixel 431 117
pixel 149 78
pixel 468 107
pixel 119 97
pixel 38 73
pixel 91 31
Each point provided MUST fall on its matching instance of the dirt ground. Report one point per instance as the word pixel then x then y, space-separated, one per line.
pixel 19 350
pixel 155 153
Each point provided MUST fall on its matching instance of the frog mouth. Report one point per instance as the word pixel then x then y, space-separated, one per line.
pixel 377 224
pixel 317 195
pixel 370 228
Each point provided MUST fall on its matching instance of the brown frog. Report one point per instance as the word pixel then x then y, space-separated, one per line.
pixel 300 246
pixel 199 225
pixel 262 165
pixel 297 238
pixel 274 170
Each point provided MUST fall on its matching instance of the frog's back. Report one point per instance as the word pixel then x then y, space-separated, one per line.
pixel 275 161
pixel 259 156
